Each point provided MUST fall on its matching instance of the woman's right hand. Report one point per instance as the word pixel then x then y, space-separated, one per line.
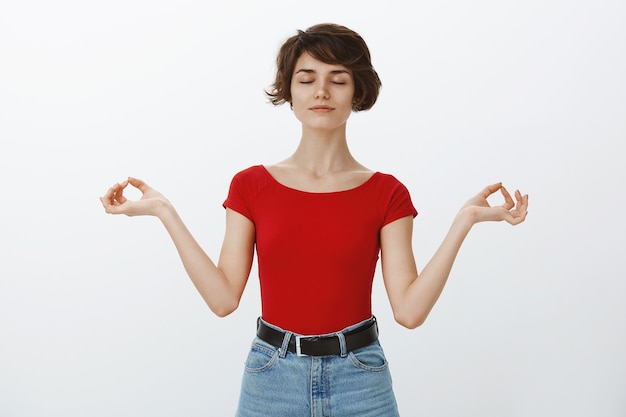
pixel 152 202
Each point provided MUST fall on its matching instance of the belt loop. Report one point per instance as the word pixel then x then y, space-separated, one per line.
pixel 342 344
pixel 285 346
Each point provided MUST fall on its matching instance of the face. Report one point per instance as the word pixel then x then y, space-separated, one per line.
pixel 322 94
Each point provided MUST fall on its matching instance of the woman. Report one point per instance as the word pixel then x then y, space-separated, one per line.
pixel 319 220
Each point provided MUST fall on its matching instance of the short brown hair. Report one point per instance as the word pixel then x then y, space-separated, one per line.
pixel 331 44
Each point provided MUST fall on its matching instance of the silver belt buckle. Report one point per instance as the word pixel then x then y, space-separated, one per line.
pixel 299 347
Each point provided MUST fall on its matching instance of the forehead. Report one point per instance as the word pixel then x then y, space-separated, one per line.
pixel 306 63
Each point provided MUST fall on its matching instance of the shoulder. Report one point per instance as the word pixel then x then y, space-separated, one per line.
pixel 250 181
pixel 394 196
pixel 245 186
pixel 388 182
pixel 387 178
pixel 253 172
pixel 254 176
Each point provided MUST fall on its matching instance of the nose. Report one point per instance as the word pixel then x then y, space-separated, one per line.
pixel 322 91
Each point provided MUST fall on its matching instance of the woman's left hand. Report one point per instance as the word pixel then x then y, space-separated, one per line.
pixel 479 209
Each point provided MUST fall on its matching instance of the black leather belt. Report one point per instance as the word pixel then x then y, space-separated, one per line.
pixel 320 345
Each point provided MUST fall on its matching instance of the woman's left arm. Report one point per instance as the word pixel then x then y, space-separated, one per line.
pixel 413 296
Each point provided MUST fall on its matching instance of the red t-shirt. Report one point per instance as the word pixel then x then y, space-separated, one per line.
pixel 317 252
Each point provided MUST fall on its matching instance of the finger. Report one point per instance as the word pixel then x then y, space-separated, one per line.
pixel 508 200
pixel 109 207
pixel 118 193
pixel 114 198
pixel 139 184
pixel 514 220
pixel 105 203
pixel 111 193
pixel 108 196
pixel 523 205
pixel 522 201
pixel 115 193
pixel 490 189
pixel 514 217
pixel 521 211
pixel 525 201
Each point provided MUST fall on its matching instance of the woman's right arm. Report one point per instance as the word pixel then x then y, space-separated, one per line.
pixel 221 285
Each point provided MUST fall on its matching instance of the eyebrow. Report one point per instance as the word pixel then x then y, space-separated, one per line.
pixel 311 71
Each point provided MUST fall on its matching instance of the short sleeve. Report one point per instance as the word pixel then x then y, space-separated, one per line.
pixel 238 198
pixel 399 204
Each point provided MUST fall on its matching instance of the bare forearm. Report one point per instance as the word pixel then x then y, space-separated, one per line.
pixel 209 280
pixel 219 285
pixel 422 294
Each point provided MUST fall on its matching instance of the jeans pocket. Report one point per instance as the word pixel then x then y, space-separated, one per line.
pixel 370 358
pixel 261 357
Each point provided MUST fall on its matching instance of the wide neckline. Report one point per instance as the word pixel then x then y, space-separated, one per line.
pixel 363 184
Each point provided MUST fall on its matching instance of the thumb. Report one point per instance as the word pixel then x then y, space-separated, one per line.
pixel 139 184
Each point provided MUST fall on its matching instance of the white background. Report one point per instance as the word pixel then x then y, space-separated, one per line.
pixel 97 317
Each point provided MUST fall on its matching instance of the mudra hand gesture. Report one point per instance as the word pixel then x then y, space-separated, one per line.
pixel 479 209
pixel 151 201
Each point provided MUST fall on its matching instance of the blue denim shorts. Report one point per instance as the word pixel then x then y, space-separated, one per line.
pixel 279 383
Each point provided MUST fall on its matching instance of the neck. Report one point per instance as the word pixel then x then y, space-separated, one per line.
pixel 323 152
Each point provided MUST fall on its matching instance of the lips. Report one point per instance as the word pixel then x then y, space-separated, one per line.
pixel 321 108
